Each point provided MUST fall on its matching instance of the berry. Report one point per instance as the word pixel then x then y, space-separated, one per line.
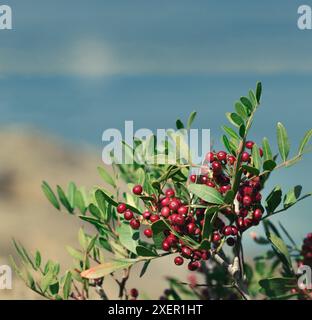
pixel 178 261
pixel 257 214
pixel 261 152
pixel 135 224
pixel 193 265
pixel 243 212
pixel 121 208
pixel 128 215
pixel 183 210
pixel 204 179
pixel 166 245
pixel 165 202
pixel 227 231
pixel 154 218
pixel 179 220
pixel 191 228
pixel 170 193
pixel 210 184
pixel 245 156
pixel 134 293
pixel 216 167
pixel 230 242
pixel 247 201
pixel 146 215
pixel 221 155
pixel 148 233
pixel 249 144
pixel 210 156
pixel 186 252
pixel 234 231
pixel 193 178
pixel 231 160
pixel 137 189
pixel 216 238
pixel 165 212
pixel 174 205
pixel 205 255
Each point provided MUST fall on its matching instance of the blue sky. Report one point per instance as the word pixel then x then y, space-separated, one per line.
pixel 74 68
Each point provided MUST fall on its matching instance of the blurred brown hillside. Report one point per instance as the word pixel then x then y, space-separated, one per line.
pixel 26 158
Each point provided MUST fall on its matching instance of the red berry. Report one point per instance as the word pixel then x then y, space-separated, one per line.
pixel 166 245
pixel 146 215
pixel 193 265
pixel 165 202
pixel 148 233
pixel 205 254
pixel 193 178
pixel 247 191
pixel 261 152
pixel 245 156
pixel 258 197
pixel 234 231
pixel 230 242
pixel 257 214
pixel 137 189
pixel 216 167
pixel 216 238
pixel 197 255
pixel 204 179
pixel 165 212
pixel 210 156
pixel 172 239
pixel 128 215
pixel 121 208
pixel 134 293
pixel 221 155
pixel 247 201
pixel 178 261
pixel 210 184
pixel 231 160
pixel 191 228
pixel 183 210
pixel 227 231
pixel 135 224
pixel 309 236
pixel 247 223
pixel 186 252
pixel 179 220
pixel 170 193
pixel 240 223
pixel 224 189
pixel 197 232
pixel 243 212
pixel 249 144
pixel 154 218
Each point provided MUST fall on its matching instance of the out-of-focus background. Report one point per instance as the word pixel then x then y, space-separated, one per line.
pixel 71 69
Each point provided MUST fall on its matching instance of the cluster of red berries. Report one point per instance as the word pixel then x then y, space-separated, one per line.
pixel 184 220
pixel 306 250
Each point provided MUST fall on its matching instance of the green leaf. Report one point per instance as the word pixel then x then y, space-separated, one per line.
pixel 252 170
pixel 71 190
pixel 206 193
pixel 210 216
pixel 63 199
pixel 106 177
pixel 235 119
pixel 274 287
pixel 101 201
pixel 108 198
pixel 281 249
pixel 47 280
pixel 67 285
pixel 144 268
pixel 258 91
pixel 274 199
pixel 292 196
pixel 267 153
pixel 241 110
pixel 75 253
pixel 158 229
pixel 246 102
pixel 252 98
pixel 282 141
pixel 256 159
pixel 229 197
pixel 179 124
pixel 242 130
pixel 304 141
pixel 50 195
pixel 128 237
pixel 269 165
pixel 145 252
pixel 91 243
pixel 107 268
pixel 227 144
pixel 37 259
pixel 95 211
pixel 79 202
pixel 231 132
pixel 191 119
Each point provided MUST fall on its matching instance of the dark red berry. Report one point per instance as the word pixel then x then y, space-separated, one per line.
pixel 231 160
pixel 227 231
pixel 245 156
pixel 182 210
pixel 137 189
pixel 186 252
pixel 148 233
pixel 170 193
pixel 204 179
pixel 210 156
pixel 165 212
pixel 121 208
pixel 243 212
pixel 134 293
pixel 249 144
pixel 146 215
pixel 261 152
pixel 166 245
pixel 191 228
pixel 128 215
pixel 154 218
pixel 178 261
pixel 257 214
pixel 193 178
pixel 174 204
pixel 179 220
pixel 234 231
pixel 216 238
pixel 193 265
pixel 221 155
pixel 230 242
pixel 210 184
pixel 247 201
pixel 165 202
pixel 216 167
pixel 135 224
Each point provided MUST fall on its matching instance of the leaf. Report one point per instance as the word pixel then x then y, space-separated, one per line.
pixel 304 141
pixel 209 218
pixel 106 177
pixel 274 287
pixel 191 119
pixel 267 153
pixel 241 110
pixel 252 170
pixel 292 196
pixel 71 190
pixel 206 193
pixel 108 198
pixel 179 124
pixel 50 195
pixel 91 243
pixel 37 259
pixel 252 98
pixel 258 91
pixel 63 199
pixel 75 253
pixel 269 165
pixel 227 144
pixel 273 200
pixel 281 249
pixel 127 237
pixel 94 210
pixel 158 229
pixel 107 268
pixel 145 266
pixel 282 141
pixel 231 132
pixel 235 119
pixel 47 280
pixel 98 224
pixel 67 285
pixel 79 202
pixel 229 197
pixel 101 201
pixel 145 252
pixel 256 159
pixel 246 102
